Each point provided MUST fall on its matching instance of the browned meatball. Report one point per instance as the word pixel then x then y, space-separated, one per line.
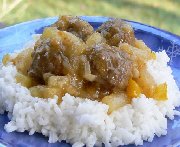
pixel 45 59
pixel 53 53
pixel 112 66
pixel 74 25
pixel 117 31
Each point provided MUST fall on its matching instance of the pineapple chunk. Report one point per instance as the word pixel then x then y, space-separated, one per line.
pixel 63 83
pixel 74 45
pixel 6 59
pixel 46 77
pixel 94 39
pixel 133 90
pixel 115 101
pixel 25 80
pixel 70 44
pixel 146 82
pixel 141 45
pixel 138 54
pixel 37 91
pixel 50 32
pixel 126 48
pixel 160 92
pixel 50 92
pixel 58 81
pixel 72 90
pixel 23 61
pixel 46 92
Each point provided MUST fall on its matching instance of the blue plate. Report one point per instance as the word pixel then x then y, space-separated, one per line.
pixel 14 37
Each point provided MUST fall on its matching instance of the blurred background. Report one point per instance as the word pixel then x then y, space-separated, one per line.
pixel 164 14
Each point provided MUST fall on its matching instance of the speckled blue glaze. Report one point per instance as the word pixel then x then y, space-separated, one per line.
pixel 14 37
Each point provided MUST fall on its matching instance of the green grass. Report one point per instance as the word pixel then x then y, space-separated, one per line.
pixel 164 14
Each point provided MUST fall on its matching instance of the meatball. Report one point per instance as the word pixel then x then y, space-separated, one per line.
pixel 45 60
pixel 117 31
pixel 112 66
pixel 53 53
pixel 74 25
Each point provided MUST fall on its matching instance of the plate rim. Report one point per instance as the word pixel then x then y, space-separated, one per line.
pixel 100 19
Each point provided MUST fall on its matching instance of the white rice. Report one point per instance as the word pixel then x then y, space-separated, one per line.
pixel 85 122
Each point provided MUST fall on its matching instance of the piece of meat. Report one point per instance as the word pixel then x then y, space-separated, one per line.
pixel 75 25
pixel 53 53
pixel 117 31
pixel 112 66
pixel 45 60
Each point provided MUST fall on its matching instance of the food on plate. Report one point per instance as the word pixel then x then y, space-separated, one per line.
pixel 74 25
pixel 117 31
pixel 88 86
